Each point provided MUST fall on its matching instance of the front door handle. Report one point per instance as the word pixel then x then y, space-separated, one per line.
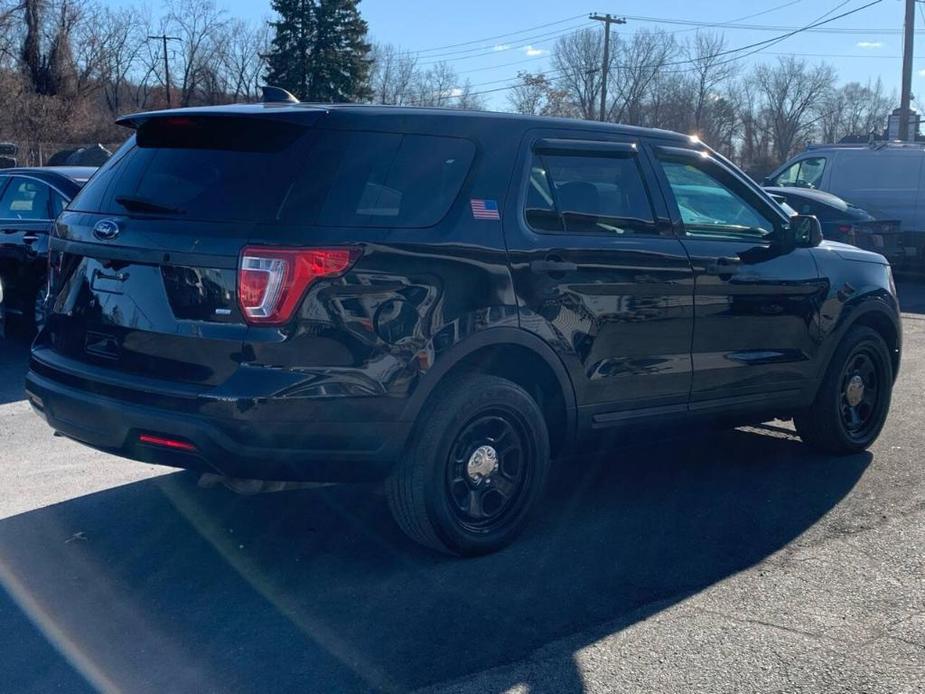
pixel 30 238
pixel 553 265
pixel 723 266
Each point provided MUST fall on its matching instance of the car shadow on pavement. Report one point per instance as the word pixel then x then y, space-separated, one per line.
pixel 160 585
pixel 911 292
pixel 14 357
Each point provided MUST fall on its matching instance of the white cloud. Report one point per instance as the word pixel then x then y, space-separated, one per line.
pixel 921 73
pixel 870 44
pixel 501 46
pixel 531 51
pixel 455 91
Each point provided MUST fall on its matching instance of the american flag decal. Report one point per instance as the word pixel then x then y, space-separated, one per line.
pixel 484 209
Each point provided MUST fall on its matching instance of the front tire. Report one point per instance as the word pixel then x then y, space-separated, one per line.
pixel 853 401
pixel 475 468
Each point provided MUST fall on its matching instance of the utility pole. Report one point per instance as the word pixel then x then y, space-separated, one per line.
pixel 907 71
pixel 164 38
pixel 607 19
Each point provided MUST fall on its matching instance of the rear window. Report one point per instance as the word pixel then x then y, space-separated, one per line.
pixel 257 170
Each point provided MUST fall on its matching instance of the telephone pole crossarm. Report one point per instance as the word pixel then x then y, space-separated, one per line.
pixel 164 38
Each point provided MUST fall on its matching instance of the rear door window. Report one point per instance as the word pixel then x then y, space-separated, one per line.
pixel 588 194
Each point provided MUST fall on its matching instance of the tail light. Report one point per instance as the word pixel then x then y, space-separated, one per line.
pixel 272 281
pixel 167 442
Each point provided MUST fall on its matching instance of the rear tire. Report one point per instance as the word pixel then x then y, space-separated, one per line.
pixel 853 401
pixel 475 468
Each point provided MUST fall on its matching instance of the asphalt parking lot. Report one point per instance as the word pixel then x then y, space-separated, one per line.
pixel 729 562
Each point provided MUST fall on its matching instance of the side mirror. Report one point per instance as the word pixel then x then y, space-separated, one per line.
pixel 804 231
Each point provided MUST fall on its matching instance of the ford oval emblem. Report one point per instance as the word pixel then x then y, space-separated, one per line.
pixel 106 230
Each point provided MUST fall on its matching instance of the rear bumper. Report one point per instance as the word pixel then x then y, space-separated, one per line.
pixel 248 437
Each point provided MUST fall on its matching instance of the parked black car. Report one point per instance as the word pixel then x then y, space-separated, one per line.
pixel 444 299
pixel 842 221
pixel 30 199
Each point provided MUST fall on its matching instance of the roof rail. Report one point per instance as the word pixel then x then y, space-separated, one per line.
pixel 277 95
pixel 875 144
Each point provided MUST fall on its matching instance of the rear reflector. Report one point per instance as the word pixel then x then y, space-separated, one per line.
pixel 272 281
pixel 164 442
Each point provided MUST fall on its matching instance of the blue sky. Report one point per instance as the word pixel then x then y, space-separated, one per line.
pixel 421 25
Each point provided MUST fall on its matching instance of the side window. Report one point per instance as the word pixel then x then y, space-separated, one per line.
pixel 25 199
pixel 811 172
pixel 379 179
pixel 711 207
pixel 588 194
pixel 806 173
pixel 789 176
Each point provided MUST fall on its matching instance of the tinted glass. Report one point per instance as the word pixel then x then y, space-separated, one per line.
pixel 588 194
pixel 710 206
pixel 25 198
pixel 379 179
pixel 216 169
pixel 252 170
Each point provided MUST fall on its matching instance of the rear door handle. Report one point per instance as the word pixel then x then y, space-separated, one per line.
pixel 552 265
pixel 723 266
pixel 30 238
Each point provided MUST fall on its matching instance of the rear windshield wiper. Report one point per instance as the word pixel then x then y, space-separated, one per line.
pixel 141 205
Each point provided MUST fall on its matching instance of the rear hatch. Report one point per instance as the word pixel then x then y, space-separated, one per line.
pixel 144 261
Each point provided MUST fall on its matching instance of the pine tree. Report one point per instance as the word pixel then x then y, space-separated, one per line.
pixel 319 50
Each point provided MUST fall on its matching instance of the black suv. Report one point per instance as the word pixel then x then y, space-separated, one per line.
pixel 442 299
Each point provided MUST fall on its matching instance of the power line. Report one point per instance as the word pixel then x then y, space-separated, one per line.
pixel 498 36
pixel 494 50
pixel 757 44
pixel 757 27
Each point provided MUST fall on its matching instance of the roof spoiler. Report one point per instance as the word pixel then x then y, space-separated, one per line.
pixel 277 95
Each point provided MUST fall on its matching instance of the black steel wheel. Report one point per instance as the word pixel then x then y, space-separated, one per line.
pixel 475 468
pixel 853 401
pixel 488 467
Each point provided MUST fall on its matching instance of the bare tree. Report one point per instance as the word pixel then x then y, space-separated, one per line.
pixel 467 98
pixel 577 60
pixel 436 86
pixel 121 38
pixel 853 110
pixel 537 95
pixel 393 75
pixel 791 90
pixel 240 48
pixel 639 62
pixel 710 71
pixel 197 23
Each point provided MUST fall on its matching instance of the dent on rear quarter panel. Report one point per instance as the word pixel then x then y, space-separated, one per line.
pixel 412 295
